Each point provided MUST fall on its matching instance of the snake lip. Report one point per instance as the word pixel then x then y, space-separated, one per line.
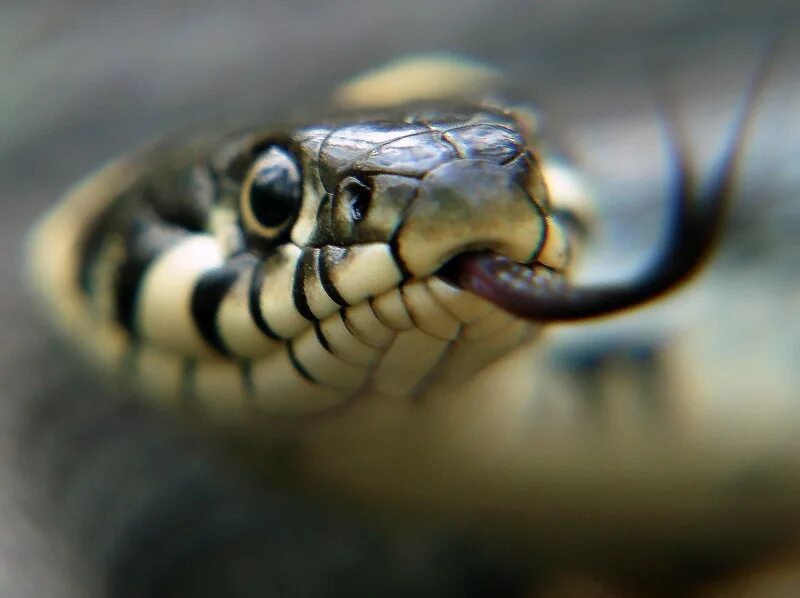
pixel 508 284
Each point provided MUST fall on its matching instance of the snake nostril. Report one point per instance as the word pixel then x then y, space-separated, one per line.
pixel 359 199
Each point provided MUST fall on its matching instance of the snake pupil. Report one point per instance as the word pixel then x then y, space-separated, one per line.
pixel 275 189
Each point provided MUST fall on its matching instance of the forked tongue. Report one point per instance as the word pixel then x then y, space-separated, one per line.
pixel 536 293
pixel 532 291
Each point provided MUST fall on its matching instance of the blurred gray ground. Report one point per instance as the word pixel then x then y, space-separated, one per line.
pixel 83 81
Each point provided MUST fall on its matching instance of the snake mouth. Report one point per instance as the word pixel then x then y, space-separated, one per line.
pixel 509 285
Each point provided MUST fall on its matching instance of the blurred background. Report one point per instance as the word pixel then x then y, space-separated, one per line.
pixel 83 81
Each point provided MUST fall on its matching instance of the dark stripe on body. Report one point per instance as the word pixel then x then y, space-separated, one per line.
pixel 145 240
pixel 254 302
pixel 305 269
pixel 93 241
pixel 181 197
pixel 321 337
pixel 209 291
pixel 296 363
pixel 394 247
pixel 324 276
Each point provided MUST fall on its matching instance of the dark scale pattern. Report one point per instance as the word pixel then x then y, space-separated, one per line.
pixel 152 216
pixel 254 302
pixel 301 369
pixel 325 254
pixel 210 290
pixel 183 196
pixel 145 239
pixel 95 237
pixel 321 337
pixel 305 268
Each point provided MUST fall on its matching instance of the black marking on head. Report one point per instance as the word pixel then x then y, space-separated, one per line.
pixel 209 291
pixel 324 224
pixel 254 303
pixel 394 247
pixel 394 242
pixel 145 240
pixel 324 276
pixel 296 363
pixel 183 196
pixel 305 269
pixel 229 160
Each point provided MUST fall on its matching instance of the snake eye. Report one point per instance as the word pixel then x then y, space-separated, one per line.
pixel 271 193
pixel 357 197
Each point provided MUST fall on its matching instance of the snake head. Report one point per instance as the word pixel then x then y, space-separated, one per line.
pixel 423 193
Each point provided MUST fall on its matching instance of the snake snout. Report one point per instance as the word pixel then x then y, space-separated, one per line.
pixel 468 205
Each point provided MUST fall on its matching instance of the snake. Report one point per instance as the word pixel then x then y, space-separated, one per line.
pixel 385 252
